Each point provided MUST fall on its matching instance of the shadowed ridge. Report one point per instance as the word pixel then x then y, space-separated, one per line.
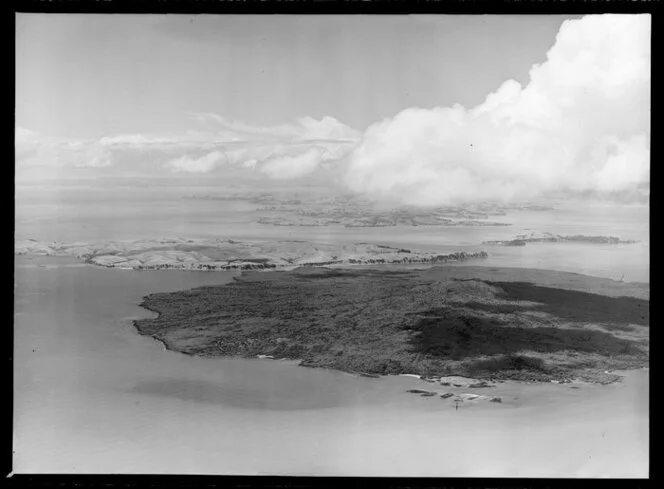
pixel 455 334
pixel 576 306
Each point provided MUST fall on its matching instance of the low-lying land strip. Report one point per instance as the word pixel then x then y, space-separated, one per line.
pixel 479 322
pixel 228 254
pixel 314 210
pixel 522 239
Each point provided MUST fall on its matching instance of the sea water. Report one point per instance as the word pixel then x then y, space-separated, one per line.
pixel 93 396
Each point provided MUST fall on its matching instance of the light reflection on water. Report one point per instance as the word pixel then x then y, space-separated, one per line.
pixel 93 396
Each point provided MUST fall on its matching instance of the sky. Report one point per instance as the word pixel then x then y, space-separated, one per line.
pixel 389 105
pixel 99 75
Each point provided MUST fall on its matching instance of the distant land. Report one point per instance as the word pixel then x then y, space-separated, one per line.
pixel 350 211
pixel 490 324
pixel 522 239
pixel 228 254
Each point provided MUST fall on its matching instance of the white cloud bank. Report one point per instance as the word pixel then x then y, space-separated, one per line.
pixel 302 163
pixel 304 128
pixel 204 164
pixel 286 151
pixel 581 123
pixel 40 157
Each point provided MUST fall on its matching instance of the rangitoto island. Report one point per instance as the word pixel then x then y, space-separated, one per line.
pixel 486 324
pixel 228 254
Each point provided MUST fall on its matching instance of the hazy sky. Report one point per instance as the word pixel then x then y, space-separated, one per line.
pixel 100 75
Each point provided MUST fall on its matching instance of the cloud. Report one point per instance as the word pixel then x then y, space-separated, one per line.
pixel 40 157
pixel 24 136
pixel 627 163
pixel 250 164
pixel 191 152
pixel 204 164
pixel 294 166
pixel 277 161
pixel 287 160
pixel 581 123
pixel 91 157
pixel 134 140
pixel 305 128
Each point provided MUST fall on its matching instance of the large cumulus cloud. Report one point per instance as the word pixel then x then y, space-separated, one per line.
pixel 580 124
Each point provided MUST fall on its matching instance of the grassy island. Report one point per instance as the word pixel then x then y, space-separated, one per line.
pixel 480 322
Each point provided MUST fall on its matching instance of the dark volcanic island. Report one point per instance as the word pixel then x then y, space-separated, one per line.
pixel 480 322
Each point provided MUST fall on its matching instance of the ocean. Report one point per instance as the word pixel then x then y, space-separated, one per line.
pixel 93 396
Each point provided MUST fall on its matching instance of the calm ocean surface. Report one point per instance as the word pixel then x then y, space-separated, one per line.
pixel 92 396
